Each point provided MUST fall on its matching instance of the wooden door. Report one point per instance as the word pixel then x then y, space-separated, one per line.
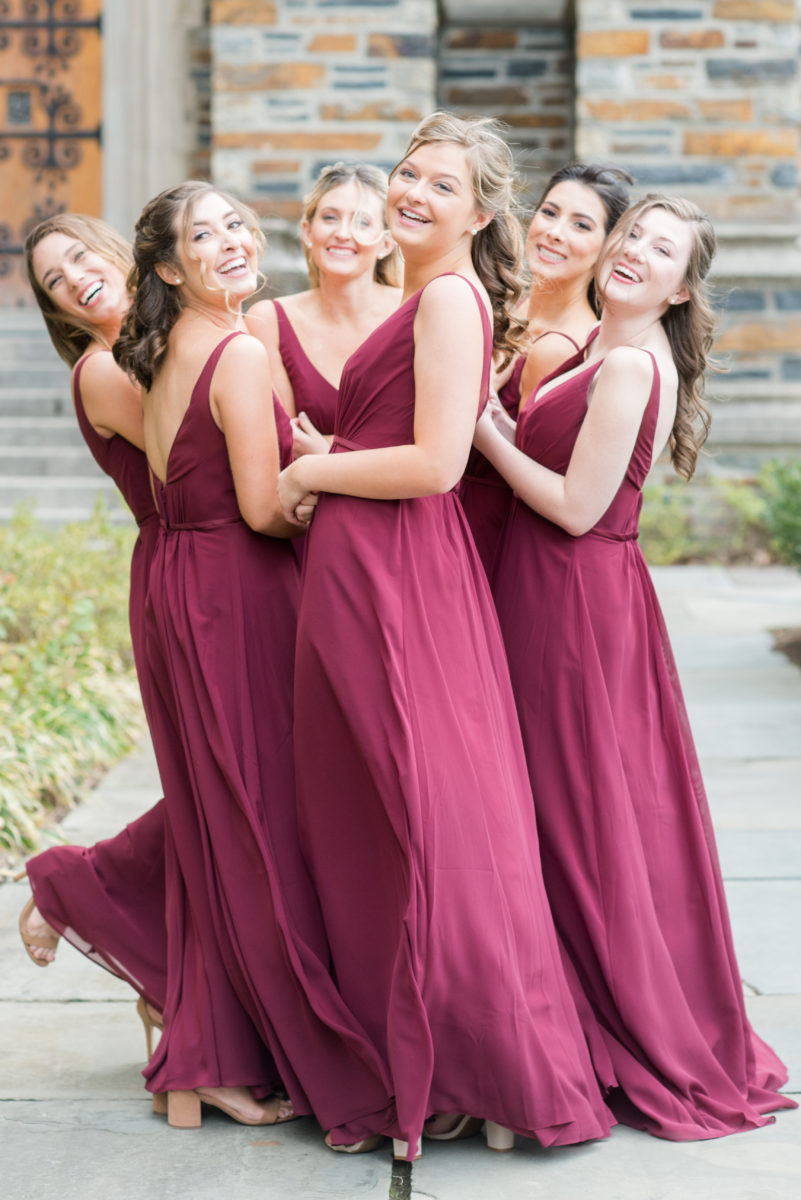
pixel 50 107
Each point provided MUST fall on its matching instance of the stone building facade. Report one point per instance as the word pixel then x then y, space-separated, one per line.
pixel 700 97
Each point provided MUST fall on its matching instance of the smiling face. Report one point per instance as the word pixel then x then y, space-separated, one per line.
pixel 80 282
pixel 345 235
pixel 430 204
pixel 566 234
pixel 646 266
pixel 217 259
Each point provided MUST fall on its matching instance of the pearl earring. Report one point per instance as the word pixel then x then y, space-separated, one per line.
pixel 473 232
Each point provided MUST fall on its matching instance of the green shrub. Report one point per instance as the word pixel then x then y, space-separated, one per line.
pixel 69 700
pixel 666 524
pixel 714 520
pixel 781 484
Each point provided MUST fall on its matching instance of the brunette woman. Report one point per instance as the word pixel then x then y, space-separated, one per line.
pixel 107 900
pixel 578 207
pixel 250 1004
pixel 628 851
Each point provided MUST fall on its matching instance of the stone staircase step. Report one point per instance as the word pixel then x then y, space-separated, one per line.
pixel 45 402
pixel 57 492
pixel 54 516
pixel 22 349
pixel 42 459
pixel 40 431
pixel 34 374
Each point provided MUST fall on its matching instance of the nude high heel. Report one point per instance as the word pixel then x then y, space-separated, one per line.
pixel 44 941
pixel 183 1110
pixel 465 1127
pixel 499 1138
pixel 365 1146
pixel 151 1019
pixel 400 1150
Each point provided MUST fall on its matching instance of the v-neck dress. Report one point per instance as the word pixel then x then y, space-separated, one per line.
pixel 485 495
pixel 250 999
pixel 107 900
pixel 415 811
pixel 628 851
pixel 313 394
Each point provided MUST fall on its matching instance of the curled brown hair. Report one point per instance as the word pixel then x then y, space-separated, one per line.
pixel 69 334
pixel 497 249
pixel 690 327
pixel 388 270
pixel 165 221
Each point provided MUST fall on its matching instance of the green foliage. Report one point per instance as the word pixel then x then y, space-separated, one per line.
pixel 715 520
pixel 781 484
pixel 666 525
pixel 69 701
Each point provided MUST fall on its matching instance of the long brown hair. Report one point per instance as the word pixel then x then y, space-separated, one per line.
pixel 164 223
pixel 609 185
pixel 497 249
pixel 68 333
pixel 690 327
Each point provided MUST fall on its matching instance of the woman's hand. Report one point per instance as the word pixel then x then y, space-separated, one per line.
pixel 500 418
pixel 294 496
pixel 486 431
pixel 306 437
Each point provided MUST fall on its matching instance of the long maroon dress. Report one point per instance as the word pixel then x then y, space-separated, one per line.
pixel 628 852
pixel 249 995
pixel 485 495
pixel 415 811
pixel 108 899
pixel 313 394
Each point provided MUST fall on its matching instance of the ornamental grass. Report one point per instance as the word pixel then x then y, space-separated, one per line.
pixel 69 700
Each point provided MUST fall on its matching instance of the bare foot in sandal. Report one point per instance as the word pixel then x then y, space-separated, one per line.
pixel 38 938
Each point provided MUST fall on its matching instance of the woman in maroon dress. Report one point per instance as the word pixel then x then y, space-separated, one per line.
pixel 250 1003
pixel 627 847
pixel 415 812
pixel 354 271
pixel 578 207
pixel 108 899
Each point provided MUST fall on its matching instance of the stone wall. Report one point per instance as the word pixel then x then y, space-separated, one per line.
pixel 523 75
pixel 298 84
pixel 703 98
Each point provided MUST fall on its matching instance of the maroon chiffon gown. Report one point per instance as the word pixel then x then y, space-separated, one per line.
pixel 628 852
pixel 107 900
pixel 485 495
pixel 249 996
pixel 415 811
pixel 313 394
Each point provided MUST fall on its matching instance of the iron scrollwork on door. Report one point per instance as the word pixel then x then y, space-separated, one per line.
pixel 42 132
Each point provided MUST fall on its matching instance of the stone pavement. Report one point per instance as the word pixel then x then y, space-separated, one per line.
pixel 75 1123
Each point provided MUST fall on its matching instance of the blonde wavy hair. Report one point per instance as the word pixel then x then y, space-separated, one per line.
pixel 388 270
pixel 497 249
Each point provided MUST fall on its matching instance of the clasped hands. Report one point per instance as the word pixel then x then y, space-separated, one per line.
pixel 494 421
pixel 297 502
